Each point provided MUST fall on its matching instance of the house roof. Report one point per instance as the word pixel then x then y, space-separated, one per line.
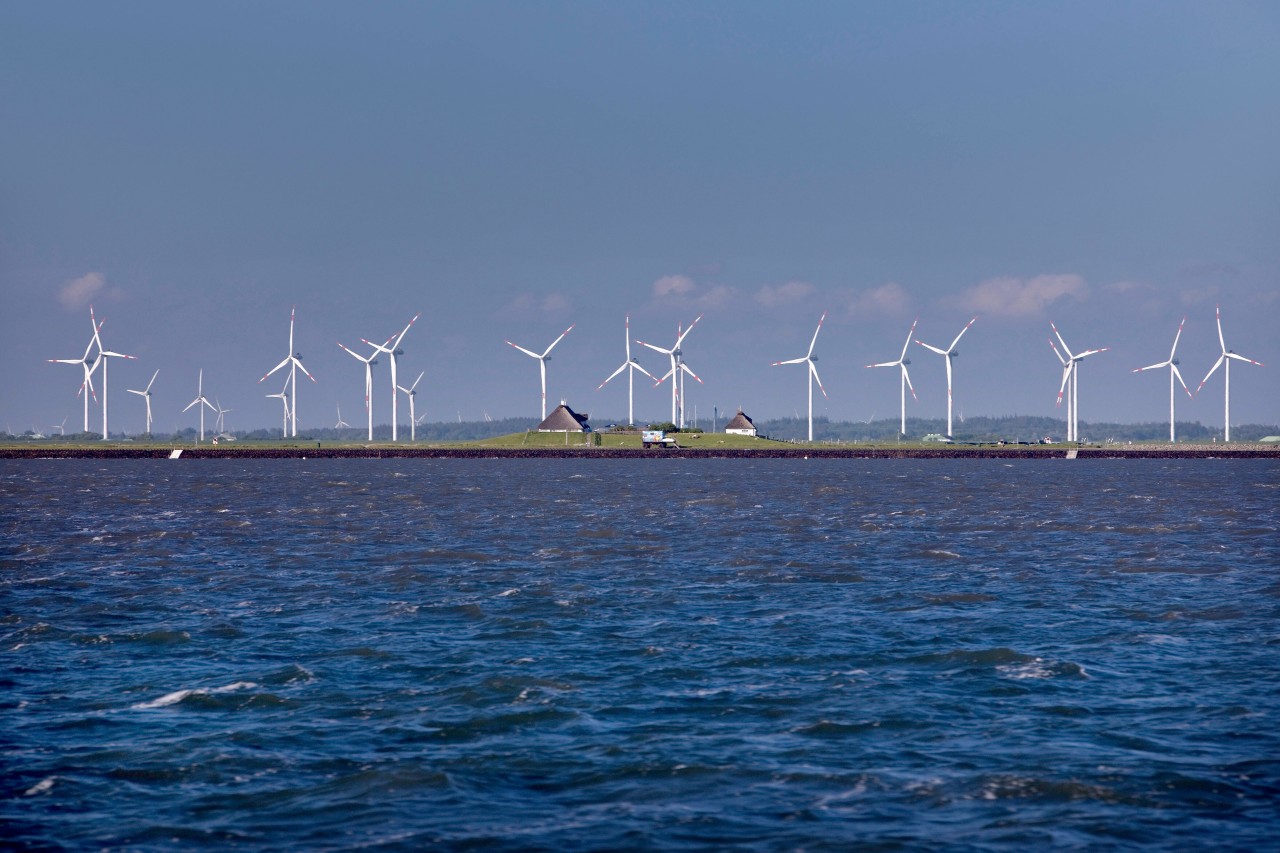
pixel 564 419
pixel 740 421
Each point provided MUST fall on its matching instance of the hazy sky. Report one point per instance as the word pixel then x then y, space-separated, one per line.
pixel 195 170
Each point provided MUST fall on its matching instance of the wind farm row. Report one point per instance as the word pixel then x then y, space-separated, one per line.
pixel 96 357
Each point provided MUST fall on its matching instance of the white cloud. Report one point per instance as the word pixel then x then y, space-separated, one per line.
pixel 784 294
pixel 554 304
pixel 77 293
pixel 1018 297
pixel 683 289
pixel 890 299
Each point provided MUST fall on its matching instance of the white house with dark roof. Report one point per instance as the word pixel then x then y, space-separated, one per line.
pixel 564 419
pixel 740 424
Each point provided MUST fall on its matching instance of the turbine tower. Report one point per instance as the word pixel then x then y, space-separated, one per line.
pixel 630 365
pixel 1071 372
pixel 146 395
pixel 392 348
pixel 1224 359
pixel 542 363
pixel 86 382
pixel 905 382
pixel 810 359
pixel 294 362
pixel 949 353
pixel 412 392
pixel 369 361
pixel 201 401
pixel 677 371
pixel 1172 364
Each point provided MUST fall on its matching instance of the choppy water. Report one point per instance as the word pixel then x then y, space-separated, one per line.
pixel 525 654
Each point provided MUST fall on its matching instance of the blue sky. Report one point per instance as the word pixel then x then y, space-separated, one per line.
pixel 195 170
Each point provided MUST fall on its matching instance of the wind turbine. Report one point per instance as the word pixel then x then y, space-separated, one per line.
pixel 810 359
pixel 284 398
pixel 412 392
pixel 392 348
pixel 103 355
pixel 542 363
pixel 146 395
pixel 905 382
pixel 1071 371
pixel 201 401
pixel 949 353
pixel 294 361
pixel 677 371
pixel 1225 358
pixel 1172 364
pixel 61 428
pixel 630 365
pixel 220 422
pixel 341 424
pixel 86 383
pixel 369 361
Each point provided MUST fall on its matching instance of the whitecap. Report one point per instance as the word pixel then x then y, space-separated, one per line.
pixel 509 593
pixel 178 695
pixel 41 787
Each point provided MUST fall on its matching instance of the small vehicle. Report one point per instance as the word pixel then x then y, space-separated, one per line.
pixel 657 438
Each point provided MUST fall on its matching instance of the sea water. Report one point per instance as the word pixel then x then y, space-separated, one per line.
pixel 676 654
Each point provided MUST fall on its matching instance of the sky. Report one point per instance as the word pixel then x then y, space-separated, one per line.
pixel 506 169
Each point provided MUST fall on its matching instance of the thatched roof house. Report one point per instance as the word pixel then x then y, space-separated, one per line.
pixel 740 424
pixel 564 419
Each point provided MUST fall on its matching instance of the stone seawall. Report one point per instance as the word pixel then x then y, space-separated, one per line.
pixel 848 452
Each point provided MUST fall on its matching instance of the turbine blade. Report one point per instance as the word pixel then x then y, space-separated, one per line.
pixel 931 347
pixel 907 342
pixel 655 348
pixel 303 369
pixel 689 371
pixel 525 351
pixel 1218 310
pixel 624 366
pixel 1216 365
pixel 907 376
pixel 153 378
pixel 813 342
pixel 813 368
pixel 400 337
pixel 637 366
pixel 961 335
pixel 1149 366
pixel 1174 348
pixel 791 361
pixel 557 340
pixel 886 363
pixel 680 337
pixel 277 367
pixel 416 381
pixel 1178 374
pixel 1065 348
pixel 1238 357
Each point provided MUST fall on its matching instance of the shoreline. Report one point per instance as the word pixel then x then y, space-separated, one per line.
pixel 1253 451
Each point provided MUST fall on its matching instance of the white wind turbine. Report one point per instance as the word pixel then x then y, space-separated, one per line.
pixel 811 360
pixel 283 396
pixel 146 395
pixel 369 361
pixel 86 382
pixel 103 356
pixel 412 392
pixel 630 365
pixel 905 382
pixel 677 371
pixel 392 348
pixel 542 363
pixel 341 424
pixel 949 353
pixel 1172 364
pixel 1071 372
pixel 220 423
pixel 294 362
pixel 61 428
pixel 202 402
pixel 1224 359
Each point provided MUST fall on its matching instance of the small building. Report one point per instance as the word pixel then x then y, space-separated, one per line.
pixel 740 424
pixel 937 436
pixel 1270 439
pixel 564 419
